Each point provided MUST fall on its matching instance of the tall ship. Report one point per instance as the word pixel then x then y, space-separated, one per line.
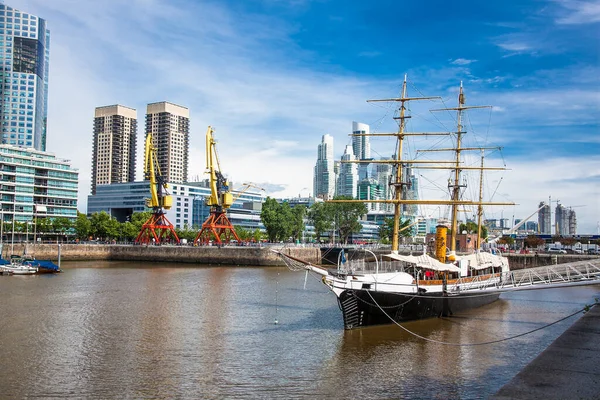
pixel 394 287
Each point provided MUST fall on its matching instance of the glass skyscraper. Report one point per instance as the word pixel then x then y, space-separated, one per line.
pixel 24 55
pixel 324 176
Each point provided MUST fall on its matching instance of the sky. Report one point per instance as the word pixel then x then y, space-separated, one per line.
pixel 273 76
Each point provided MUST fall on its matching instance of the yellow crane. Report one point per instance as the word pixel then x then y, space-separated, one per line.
pixel 217 226
pixel 157 228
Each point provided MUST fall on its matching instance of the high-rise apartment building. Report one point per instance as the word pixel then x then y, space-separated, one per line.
pixel 347 183
pixel 324 175
pixel 114 152
pixel 170 128
pixel 565 220
pixel 361 148
pixel 544 223
pixel 25 49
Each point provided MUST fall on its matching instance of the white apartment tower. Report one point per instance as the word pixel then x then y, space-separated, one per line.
pixel 324 175
pixel 347 184
pixel 170 128
pixel 113 155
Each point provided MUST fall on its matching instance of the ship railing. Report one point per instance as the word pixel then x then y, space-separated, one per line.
pixel 372 267
pixel 475 282
pixel 577 272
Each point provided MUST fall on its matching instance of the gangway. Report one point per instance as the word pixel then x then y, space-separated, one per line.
pixel 552 276
pixel 578 273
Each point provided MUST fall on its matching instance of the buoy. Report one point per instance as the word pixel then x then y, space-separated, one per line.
pixel 276 322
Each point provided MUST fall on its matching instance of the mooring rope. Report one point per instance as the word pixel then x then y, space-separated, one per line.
pixel 586 308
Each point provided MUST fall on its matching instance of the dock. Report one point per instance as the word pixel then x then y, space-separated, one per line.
pixel 567 369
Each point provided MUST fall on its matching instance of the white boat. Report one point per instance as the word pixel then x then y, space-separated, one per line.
pixel 19 269
pixel 394 287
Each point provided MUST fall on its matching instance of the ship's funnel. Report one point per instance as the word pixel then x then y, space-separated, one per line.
pixel 441 233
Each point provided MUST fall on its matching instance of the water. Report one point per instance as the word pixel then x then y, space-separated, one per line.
pixel 175 331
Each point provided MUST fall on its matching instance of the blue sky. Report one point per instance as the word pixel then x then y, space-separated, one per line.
pixel 273 76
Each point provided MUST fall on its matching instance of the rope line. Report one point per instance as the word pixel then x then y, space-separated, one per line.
pixel 478 343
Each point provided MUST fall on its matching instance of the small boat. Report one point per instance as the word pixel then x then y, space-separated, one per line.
pixel 11 268
pixel 27 262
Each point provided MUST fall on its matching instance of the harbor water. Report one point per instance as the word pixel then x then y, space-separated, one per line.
pixel 133 330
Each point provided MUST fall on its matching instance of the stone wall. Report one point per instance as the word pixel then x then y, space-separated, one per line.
pixel 252 256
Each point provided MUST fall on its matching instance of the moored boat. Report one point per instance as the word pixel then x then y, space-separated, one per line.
pixel 396 288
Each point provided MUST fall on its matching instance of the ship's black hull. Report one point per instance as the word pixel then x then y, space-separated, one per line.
pixel 362 308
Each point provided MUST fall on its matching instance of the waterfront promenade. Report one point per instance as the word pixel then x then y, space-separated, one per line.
pixel 567 369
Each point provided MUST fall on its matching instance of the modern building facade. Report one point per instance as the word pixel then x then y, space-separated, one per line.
pixel 565 220
pixel 544 219
pixel 114 145
pixel 347 182
pixel 324 176
pixel 25 51
pixel 189 204
pixel 169 125
pixel 36 184
pixel 361 147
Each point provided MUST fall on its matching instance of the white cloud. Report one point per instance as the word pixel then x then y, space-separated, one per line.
pixel 579 12
pixel 462 61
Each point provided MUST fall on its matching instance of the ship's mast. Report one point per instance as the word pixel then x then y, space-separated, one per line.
pixel 398 162
pixel 399 183
pixel 455 186
pixel 480 207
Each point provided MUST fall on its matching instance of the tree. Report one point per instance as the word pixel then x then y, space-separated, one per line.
pixel 277 219
pixel 347 216
pixel 387 228
pixel 471 227
pixel 82 226
pixel 297 222
pixel 61 225
pixel 506 240
pixel 128 231
pixel 321 217
pixel 100 225
pixel 533 241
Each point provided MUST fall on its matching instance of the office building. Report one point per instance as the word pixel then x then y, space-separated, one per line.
pixel 361 148
pixel 36 184
pixel 114 145
pixel 25 49
pixel 347 182
pixel 324 175
pixel 169 125
pixel 189 203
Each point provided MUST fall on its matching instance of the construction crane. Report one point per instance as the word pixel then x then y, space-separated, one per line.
pixel 517 226
pixel 157 228
pixel 217 226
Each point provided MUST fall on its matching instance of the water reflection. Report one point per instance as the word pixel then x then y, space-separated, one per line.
pixel 177 331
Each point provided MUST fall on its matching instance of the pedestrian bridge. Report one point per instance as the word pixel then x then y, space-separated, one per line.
pixel 552 276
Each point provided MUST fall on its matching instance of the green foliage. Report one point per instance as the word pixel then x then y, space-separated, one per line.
pixel 61 225
pixel 82 226
pixel 387 228
pixel 100 225
pixel 243 233
pixel 321 216
pixel 277 219
pixel 347 216
pixel 471 227
pixel 128 231
pixel 297 222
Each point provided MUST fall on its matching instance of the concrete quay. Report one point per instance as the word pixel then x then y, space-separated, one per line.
pixel 568 369
pixel 203 255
